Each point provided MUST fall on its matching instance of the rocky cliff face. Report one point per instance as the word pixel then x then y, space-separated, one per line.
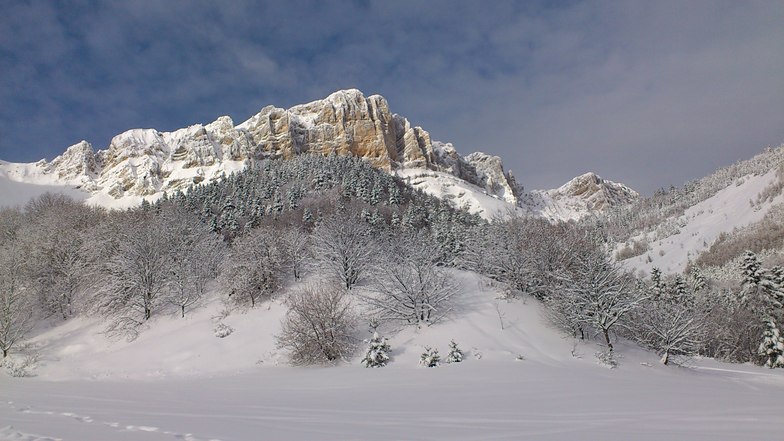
pixel 580 196
pixel 144 162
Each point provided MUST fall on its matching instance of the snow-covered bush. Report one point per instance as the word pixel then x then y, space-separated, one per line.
pixel 23 367
pixel 455 354
pixel 430 357
pixel 607 358
pixel 318 326
pixel 377 352
pixel 223 330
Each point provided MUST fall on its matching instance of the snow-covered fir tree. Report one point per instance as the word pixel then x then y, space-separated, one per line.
pixel 377 352
pixel 772 346
pixel 455 354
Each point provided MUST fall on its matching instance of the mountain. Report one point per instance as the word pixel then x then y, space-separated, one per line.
pixel 708 222
pixel 144 163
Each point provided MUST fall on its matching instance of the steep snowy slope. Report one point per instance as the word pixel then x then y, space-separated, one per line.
pixel 740 196
pixel 14 192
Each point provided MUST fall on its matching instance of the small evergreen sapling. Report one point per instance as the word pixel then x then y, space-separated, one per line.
pixel 772 346
pixel 377 353
pixel 455 354
pixel 430 357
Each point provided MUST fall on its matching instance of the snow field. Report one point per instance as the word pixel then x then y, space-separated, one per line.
pixel 177 380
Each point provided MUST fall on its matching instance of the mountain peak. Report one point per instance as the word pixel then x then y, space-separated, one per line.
pixel 596 192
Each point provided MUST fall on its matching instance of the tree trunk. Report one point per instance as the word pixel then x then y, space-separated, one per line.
pixel 666 357
pixel 183 310
pixel 5 352
pixel 606 333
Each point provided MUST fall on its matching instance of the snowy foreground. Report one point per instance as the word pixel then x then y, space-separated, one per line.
pixel 525 381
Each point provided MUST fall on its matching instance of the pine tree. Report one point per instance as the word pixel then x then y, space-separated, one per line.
pixel 395 221
pixel 394 194
pixel 430 357
pixel 377 353
pixel 307 216
pixel 752 274
pixel 658 284
pixel 697 280
pixel 375 194
pixel 772 347
pixel 455 354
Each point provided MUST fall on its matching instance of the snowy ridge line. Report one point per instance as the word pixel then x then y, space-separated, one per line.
pixel 143 164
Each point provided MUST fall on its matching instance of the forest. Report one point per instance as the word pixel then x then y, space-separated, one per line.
pixel 340 224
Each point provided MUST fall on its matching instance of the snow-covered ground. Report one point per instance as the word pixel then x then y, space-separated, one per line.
pixel 701 225
pixel 14 193
pixel 521 379
pixel 463 194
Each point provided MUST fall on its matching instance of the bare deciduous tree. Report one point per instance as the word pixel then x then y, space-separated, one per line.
pixel 410 288
pixel 131 281
pixel 296 248
pixel 345 247
pixel 594 293
pixel 253 270
pixel 318 326
pixel 667 327
pixel 16 306
pixel 195 254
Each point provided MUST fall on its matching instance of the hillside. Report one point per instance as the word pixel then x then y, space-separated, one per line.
pixel 675 227
pixel 519 377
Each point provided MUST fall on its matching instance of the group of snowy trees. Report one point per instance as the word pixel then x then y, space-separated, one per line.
pixel 375 245
pixel 246 236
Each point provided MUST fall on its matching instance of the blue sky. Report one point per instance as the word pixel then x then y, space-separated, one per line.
pixel 646 93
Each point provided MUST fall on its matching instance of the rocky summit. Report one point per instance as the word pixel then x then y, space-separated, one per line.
pixel 145 163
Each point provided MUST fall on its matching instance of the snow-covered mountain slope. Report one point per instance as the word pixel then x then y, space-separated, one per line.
pixel 587 193
pixel 144 163
pixel 520 379
pixel 739 196
pixel 701 225
pixel 14 192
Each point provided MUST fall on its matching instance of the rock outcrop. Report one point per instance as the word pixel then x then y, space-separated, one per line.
pixel 144 162
pixel 596 193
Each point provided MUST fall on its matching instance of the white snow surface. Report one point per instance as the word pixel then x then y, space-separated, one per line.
pixel 461 193
pixel 701 225
pixel 525 381
pixel 13 193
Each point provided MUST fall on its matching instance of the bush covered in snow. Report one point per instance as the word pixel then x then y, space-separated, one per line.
pixel 607 358
pixel 23 366
pixel 223 330
pixel 318 326
pixel 430 357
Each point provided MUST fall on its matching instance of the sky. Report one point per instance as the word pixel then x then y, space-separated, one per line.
pixel 645 93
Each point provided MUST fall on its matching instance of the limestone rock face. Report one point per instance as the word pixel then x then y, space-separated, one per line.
pixel 491 175
pixel 146 162
pixel 344 123
pixel 78 160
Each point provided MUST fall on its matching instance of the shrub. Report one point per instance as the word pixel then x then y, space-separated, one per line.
pixel 318 326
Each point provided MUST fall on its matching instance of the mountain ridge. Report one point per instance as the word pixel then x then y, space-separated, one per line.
pixel 144 163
